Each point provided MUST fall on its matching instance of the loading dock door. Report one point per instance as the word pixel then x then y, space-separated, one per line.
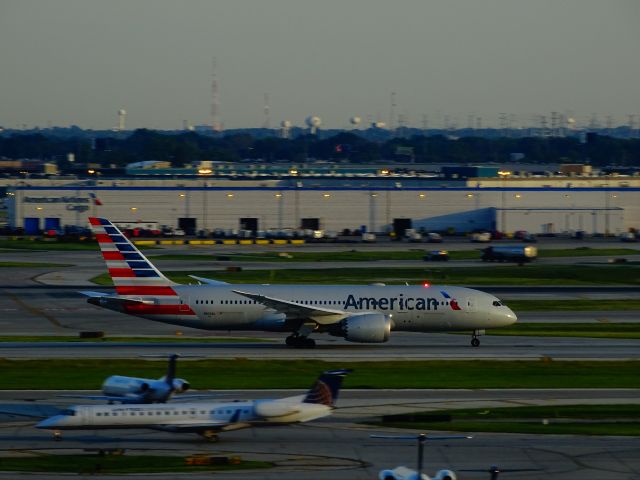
pixel 51 223
pixel 400 225
pixel 31 225
pixel 249 224
pixel 188 225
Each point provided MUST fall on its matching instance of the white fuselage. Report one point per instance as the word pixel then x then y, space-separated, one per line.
pixel 187 417
pixel 410 308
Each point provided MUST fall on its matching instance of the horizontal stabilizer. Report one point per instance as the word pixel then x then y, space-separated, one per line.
pixel 90 294
pixel 208 281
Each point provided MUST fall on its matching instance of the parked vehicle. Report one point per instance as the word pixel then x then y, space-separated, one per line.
pixel 433 237
pixel 481 237
pixel 510 253
pixel 436 256
pixel 412 235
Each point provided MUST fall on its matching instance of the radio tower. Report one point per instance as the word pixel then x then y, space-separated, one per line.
pixel 392 111
pixel 267 117
pixel 216 126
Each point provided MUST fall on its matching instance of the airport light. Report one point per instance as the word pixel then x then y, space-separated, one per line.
pixel 469 195
pixel 517 195
pixel 229 195
pixel 326 195
pixel 422 195
pixel 134 209
pixel 38 208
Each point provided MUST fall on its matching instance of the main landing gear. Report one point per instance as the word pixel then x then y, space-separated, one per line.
pixel 299 341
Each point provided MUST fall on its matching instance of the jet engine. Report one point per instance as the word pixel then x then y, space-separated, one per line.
pixel 363 328
pixel 180 385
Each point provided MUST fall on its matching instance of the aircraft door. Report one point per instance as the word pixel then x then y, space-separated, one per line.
pixel 470 305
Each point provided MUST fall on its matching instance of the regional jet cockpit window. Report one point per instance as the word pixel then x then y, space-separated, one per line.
pixel 497 303
pixel 68 412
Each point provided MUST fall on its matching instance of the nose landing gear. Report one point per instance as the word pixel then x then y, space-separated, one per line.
pixel 475 341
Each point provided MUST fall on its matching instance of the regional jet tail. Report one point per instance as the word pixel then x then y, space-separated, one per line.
pixel 357 313
pixel 205 418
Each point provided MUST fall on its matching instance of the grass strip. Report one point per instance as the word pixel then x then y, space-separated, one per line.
pixel 81 374
pixel 573 305
pixel 32 264
pixel 590 330
pixel 48 245
pixel 168 339
pixel 492 275
pixel 112 464
pixel 565 419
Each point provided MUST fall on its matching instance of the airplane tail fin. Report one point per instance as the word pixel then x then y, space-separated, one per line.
pixel 131 272
pixel 171 370
pixel 325 389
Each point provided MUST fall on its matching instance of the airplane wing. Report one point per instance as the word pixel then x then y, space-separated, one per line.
pixel 323 316
pixel 208 281
pixel 213 425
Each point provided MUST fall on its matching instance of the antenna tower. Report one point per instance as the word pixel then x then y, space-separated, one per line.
pixel 392 112
pixel 267 118
pixel 215 99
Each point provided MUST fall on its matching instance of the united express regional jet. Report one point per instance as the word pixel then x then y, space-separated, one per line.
pixel 357 313
pixel 205 418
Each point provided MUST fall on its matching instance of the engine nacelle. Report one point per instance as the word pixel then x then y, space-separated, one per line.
pixel 364 328
pixel 445 475
pixel 180 385
pixel 117 385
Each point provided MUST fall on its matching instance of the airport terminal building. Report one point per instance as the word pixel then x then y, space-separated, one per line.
pixel 204 205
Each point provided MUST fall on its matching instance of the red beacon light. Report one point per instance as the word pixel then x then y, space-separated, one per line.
pixel 426 284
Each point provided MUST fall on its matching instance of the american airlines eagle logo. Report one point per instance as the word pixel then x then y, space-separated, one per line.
pixel 453 303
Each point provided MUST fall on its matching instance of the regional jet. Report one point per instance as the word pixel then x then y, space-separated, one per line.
pixel 123 389
pixel 357 313
pixel 204 418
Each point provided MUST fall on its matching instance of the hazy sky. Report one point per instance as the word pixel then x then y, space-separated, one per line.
pixel 67 62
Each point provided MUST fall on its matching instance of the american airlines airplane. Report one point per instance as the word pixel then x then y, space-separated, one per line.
pixel 357 313
pixel 205 418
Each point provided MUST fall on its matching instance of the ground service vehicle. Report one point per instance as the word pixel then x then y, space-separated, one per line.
pixel 510 253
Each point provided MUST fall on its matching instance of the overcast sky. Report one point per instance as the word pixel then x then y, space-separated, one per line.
pixel 67 62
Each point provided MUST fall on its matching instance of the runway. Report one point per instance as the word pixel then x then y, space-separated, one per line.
pixel 337 448
pixel 401 346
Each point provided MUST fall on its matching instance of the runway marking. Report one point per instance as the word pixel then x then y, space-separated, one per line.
pixel 34 310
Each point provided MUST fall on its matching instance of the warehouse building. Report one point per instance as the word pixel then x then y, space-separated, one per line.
pixel 194 206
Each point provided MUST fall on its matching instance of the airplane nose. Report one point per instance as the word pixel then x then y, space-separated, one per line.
pixel 508 317
pixel 51 422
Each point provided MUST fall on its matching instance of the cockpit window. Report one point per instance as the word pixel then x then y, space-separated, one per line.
pixel 68 412
pixel 497 303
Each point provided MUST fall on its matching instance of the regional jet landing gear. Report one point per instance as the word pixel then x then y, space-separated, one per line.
pixel 210 436
pixel 300 339
pixel 475 341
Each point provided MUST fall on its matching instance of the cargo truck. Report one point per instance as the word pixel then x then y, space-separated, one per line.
pixel 510 253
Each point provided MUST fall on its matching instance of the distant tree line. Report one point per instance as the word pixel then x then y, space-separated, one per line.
pixel 185 148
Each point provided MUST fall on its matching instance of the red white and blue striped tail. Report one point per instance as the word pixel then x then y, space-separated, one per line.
pixel 131 272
